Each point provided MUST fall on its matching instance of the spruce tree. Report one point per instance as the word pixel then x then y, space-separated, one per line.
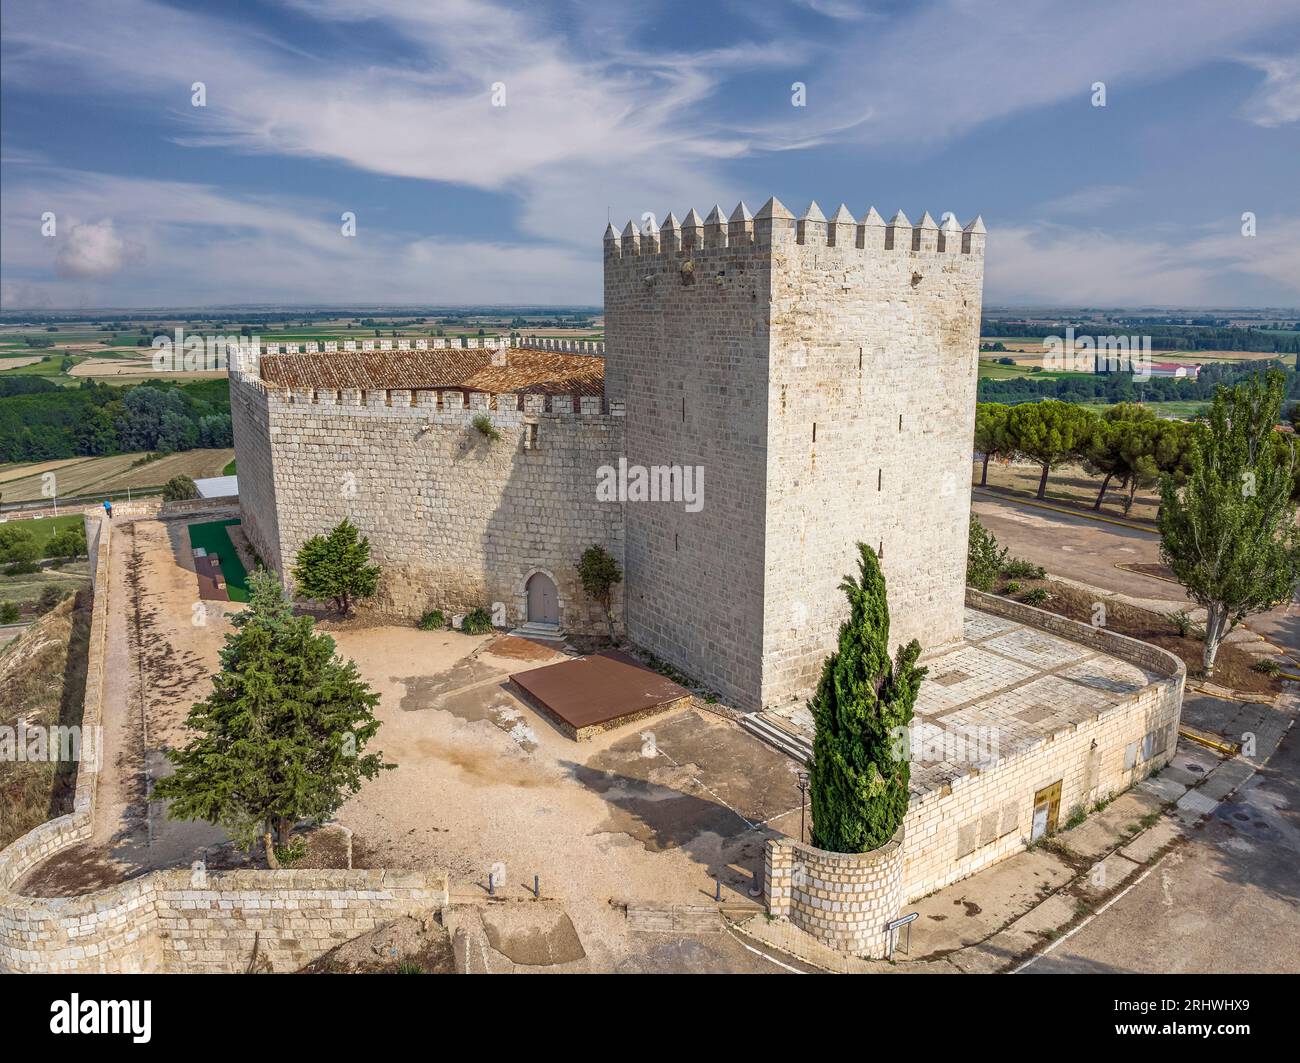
pixel 859 771
pixel 335 567
pixel 281 736
pixel 1229 531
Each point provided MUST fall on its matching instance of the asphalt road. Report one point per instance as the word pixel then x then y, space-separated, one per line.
pixel 1226 902
pixel 1075 546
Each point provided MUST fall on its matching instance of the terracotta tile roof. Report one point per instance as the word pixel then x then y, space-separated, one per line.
pixel 547 372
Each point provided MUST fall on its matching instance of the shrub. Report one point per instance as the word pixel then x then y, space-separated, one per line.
pixel 1011 588
pixel 477 622
pixel 1267 666
pixel 432 620
pixel 70 543
pixel 983 558
pixel 1182 622
pixel 179 489
pixel 1037 597
pixel 291 852
pixel 599 572
pixel 9 612
pixel 1077 815
pixel 17 545
pixel 1017 568
pixel 50 597
pixel 483 423
pixel 335 568
pixel 22 568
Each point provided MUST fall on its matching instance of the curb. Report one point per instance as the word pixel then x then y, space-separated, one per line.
pixel 1062 509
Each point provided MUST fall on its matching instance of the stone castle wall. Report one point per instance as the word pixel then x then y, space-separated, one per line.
pixel 870 420
pixel 780 356
pixel 259 509
pixel 687 353
pixel 456 520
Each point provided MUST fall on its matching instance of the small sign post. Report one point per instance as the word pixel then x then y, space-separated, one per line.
pixel 892 929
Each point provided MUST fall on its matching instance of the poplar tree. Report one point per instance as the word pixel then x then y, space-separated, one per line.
pixel 281 737
pixel 859 772
pixel 335 567
pixel 1228 532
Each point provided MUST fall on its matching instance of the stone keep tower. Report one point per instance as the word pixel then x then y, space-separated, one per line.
pixel 823 375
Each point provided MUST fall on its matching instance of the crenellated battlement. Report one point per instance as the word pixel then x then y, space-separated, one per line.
pixel 515 341
pixel 775 226
pixel 453 406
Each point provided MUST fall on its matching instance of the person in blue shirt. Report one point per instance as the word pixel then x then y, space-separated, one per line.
pixel 108 508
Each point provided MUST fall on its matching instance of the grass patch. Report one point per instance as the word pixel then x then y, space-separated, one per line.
pixel 213 537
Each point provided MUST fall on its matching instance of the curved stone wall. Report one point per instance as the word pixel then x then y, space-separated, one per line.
pixel 843 899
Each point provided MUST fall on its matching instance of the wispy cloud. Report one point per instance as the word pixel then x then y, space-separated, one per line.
pixel 1278 100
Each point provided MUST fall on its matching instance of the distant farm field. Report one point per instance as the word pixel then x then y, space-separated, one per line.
pixel 82 476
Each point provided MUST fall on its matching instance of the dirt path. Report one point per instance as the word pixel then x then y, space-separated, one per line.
pixel 160 651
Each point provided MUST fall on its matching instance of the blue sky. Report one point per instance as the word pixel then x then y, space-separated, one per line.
pixel 384 108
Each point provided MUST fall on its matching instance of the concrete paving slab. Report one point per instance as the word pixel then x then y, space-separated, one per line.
pixel 1107 875
pixel 1193 805
pixel 1167 789
pixel 1226 778
pixel 1054 912
pixel 1151 841
pixel 975 908
pixel 1104 830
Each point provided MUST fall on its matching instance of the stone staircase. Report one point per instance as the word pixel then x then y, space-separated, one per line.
pixel 776 731
pixel 543 632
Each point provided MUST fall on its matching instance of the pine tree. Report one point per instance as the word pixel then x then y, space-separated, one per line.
pixel 281 737
pixel 1229 531
pixel 334 567
pixel 859 771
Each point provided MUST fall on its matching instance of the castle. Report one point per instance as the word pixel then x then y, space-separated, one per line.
pixel 812 381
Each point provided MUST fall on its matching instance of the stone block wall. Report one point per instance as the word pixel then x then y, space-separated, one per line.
pixel 192 922
pixel 874 356
pixel 687 353
pixel 823 374
pixel 843 899
pixel 456 520
pixel 251 421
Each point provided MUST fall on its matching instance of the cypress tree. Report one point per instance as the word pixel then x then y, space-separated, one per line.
pixel 281 736
pixel 859 770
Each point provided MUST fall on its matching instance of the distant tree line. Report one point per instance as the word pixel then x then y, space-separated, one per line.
pixel 40 421
pixel 1122 387
pixel 1163 336
pixel 1128 446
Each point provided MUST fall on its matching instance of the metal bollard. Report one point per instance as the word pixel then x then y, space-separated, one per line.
pixel 490 883
pixel 537 887
pixel 717 889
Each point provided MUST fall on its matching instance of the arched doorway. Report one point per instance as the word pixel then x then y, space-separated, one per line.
pixel 543 601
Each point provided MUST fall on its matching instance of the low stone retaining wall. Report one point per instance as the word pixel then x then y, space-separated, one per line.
pixel 185 920
pixel 216 922
pixel 843 899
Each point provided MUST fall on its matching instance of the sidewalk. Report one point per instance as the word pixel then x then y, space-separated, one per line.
pixel 997 920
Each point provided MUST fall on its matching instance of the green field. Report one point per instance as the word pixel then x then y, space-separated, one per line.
pixel 43 529
pixel 212 537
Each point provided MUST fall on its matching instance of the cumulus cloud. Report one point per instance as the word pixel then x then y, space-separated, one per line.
pixel 1278 100
pixel 93 249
